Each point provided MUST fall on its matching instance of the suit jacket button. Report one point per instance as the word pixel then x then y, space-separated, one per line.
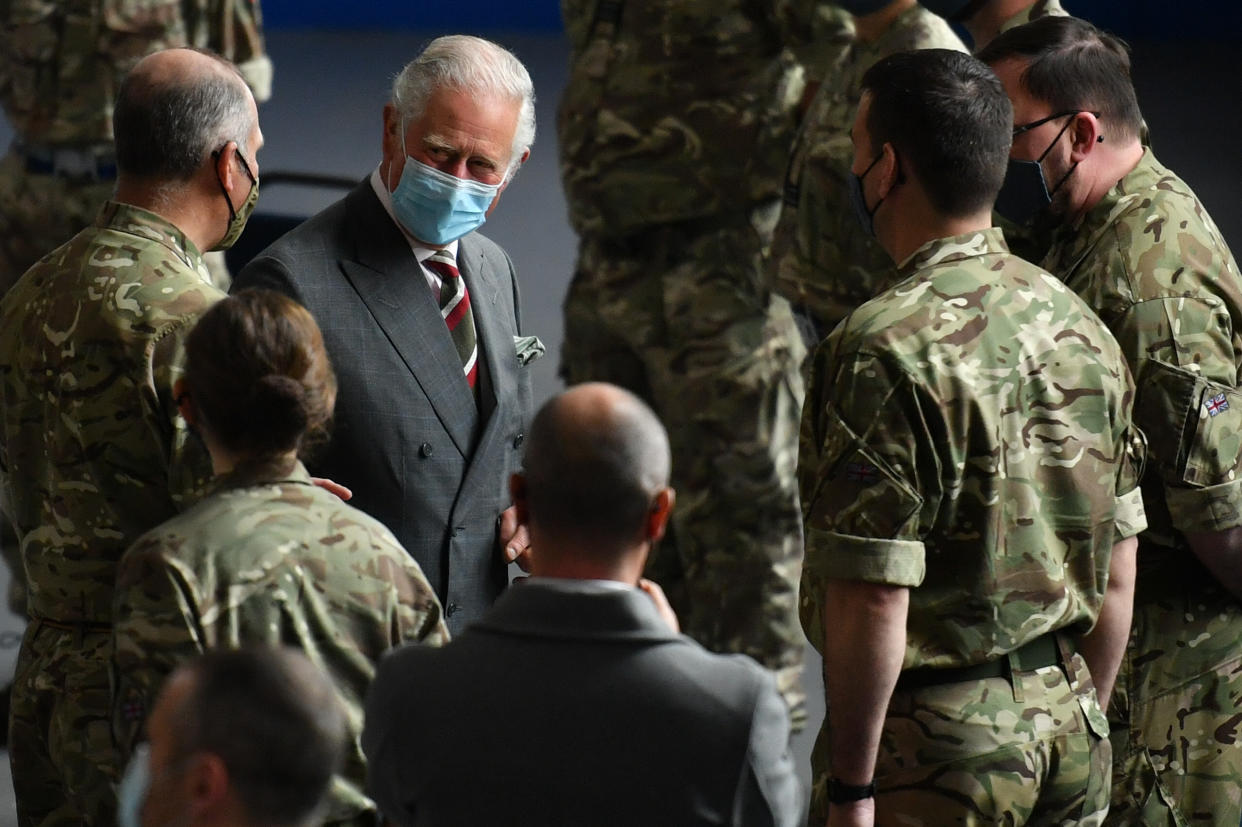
pixel 450 609
pixel 518 440
pixel 425 449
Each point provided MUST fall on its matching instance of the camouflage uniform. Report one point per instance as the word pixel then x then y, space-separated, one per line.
pixel 61 65
pixel 270 558
pixel 820 258
pixel 95 454
pixel 674 132
pixel 1029 241
pixel 1038 9
pixel 1151 261
pixel 967 435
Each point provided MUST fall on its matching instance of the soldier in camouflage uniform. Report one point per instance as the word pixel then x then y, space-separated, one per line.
pixel 269 557
pixel 92 452
pixel 1137 244
pixel 985 19
pixel 820 258
pixel 674 132
pixel 970 484
pixel 60 66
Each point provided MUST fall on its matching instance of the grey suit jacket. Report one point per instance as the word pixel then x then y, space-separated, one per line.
pixel 408 437
pixel 572 704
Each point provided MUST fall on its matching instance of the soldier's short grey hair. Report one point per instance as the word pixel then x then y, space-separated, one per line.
pixel 166 127
pixel 469 64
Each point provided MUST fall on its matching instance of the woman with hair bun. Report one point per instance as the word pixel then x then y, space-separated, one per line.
pixel 268 557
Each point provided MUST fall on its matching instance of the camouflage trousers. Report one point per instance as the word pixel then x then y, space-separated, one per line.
pixel 60 737
pixel 1032 751
pixel 678 315
pixel 1176 716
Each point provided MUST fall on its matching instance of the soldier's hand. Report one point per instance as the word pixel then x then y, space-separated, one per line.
pixel 653 590
pixel 514 539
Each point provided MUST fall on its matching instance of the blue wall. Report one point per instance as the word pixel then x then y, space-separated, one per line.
pixel 1145 19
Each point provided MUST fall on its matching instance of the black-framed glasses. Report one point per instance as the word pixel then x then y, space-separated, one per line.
pixel 1027 127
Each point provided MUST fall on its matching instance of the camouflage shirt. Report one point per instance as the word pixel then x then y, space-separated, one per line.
pixel 967 435
pixel 61 63
pixel 269 558
pixel 678 109
pixel 95 453
pixel 1038 9
pixel 1152 263
pixel 820 255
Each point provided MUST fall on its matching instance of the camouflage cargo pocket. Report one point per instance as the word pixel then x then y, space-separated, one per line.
pixel 1163 409
pixel 1157 809
pixel 1215 449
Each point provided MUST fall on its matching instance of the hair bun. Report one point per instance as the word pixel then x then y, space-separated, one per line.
pixel 278 404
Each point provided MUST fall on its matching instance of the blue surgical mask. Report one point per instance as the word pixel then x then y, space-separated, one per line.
pixel 135 783
pixel 437 207
pixel 858 199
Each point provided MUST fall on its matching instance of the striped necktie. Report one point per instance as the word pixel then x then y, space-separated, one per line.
pixel 455 309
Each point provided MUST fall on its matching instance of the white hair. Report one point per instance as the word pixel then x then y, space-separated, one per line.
pixel 469 64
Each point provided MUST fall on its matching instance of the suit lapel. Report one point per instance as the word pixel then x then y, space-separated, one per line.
pixel 390 282
pixel 496 349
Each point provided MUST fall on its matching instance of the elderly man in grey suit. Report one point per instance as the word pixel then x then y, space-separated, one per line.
pixel 574 701
pixel 421 319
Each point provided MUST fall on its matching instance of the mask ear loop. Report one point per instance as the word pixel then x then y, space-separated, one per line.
pixel 1073 166
pixel 232 212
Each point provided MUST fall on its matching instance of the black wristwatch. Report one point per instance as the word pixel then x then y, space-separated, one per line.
pixel 839 793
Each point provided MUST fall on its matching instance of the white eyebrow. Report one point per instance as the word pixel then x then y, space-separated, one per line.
pixel 434 141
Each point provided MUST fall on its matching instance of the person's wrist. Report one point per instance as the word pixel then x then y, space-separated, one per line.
pixel 841 793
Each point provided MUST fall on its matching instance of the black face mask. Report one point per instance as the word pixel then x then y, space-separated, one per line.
pixel 1025 193
pixel 858 199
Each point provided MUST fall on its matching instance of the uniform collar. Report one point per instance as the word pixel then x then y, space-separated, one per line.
pixel 127 218
pixel 1072 241
pixel 263 472
pixel 956 248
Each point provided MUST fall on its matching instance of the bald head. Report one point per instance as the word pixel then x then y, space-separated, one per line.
pixel 595 459
pixel 174 108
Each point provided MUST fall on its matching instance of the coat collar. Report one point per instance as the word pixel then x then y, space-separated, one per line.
pixel 571 611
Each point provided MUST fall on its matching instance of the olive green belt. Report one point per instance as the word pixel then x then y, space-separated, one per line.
pixel 1035 654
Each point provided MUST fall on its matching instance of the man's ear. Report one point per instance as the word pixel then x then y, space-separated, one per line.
pixel 226 162
pixel 207 783
pixel 657 517
pixel 390 143
pixel 1086 132
pixel 888 169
